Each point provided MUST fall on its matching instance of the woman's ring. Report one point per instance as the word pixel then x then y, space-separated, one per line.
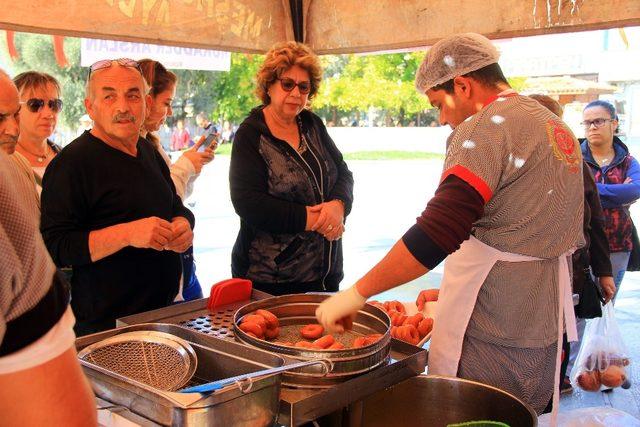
pixel 330 227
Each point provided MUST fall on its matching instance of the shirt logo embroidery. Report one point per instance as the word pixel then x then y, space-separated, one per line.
pixel 564 145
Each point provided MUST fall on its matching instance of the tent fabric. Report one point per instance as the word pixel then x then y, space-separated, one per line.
pixel 329 26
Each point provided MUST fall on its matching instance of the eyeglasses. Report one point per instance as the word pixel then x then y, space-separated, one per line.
pixel 288 85
pixel 106 63
pixel 36 104
pixel 598 123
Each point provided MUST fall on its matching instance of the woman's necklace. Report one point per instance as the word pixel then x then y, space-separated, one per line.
pixel 40 158
pixel 604 161
pixel 287 132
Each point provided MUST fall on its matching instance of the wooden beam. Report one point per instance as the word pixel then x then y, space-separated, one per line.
pixel 344 26
pixel 230 25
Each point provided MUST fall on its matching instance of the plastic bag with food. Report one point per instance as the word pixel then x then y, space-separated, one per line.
pixel 603 360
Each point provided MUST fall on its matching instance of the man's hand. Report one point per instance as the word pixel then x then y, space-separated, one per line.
pixel 608 287
pixel 151 232
pixel 200 158
pixel 330 221
pixel 182 235
pixel 337 312
pixel 428 295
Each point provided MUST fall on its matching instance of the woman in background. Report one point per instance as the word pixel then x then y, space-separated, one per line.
pixel 162 89
pixel 41 104
pixel 617 176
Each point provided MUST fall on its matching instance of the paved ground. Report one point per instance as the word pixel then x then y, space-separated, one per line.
pixel 389 195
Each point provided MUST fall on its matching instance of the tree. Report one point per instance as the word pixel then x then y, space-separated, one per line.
pixel 222 95
pixel 357 83
pixel 36 53
pixel 219 94
pixel 234 90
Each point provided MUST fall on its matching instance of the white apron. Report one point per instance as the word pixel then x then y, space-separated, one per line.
pixel 464 273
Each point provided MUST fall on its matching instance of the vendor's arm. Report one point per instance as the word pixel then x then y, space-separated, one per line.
pixel 439 231
pixel 248 177
pixel 615 195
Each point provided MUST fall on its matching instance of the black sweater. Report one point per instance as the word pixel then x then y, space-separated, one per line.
pixel 90 186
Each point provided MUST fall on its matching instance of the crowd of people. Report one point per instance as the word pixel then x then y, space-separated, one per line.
pixel 108 209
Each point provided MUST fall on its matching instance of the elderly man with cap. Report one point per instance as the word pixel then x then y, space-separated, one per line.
pixel 506 214
pixel 110 209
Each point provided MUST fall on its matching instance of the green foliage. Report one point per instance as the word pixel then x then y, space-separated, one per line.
pixel 517 83
pixel 36 53
pixel 234 91
pixel 223 150
pixel 362 82
pixel 220 95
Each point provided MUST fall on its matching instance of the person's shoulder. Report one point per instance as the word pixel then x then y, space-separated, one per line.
pixel 82 144
pixel 84 150
pixel 149 149
pixel 20 161
pixel 251 127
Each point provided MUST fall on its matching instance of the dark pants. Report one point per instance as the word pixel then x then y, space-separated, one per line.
pixel 191 288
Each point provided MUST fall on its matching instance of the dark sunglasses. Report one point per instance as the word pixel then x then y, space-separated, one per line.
pixel 36 104
pixel 106 63
pixel 288 85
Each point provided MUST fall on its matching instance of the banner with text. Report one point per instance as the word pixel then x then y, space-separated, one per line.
pixel 183 58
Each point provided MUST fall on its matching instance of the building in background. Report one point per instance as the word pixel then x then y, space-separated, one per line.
pixel 608 58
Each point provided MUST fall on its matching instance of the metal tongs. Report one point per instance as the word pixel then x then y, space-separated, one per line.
pixel 245 381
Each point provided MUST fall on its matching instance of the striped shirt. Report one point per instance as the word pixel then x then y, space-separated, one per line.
pixel 527 166
pixel 29 304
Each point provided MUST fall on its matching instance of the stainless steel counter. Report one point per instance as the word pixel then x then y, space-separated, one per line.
pixel 297 405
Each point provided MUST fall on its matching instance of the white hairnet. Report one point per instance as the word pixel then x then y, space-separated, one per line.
pixel 454 56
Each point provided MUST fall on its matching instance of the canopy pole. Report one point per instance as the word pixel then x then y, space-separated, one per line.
pixel 297 20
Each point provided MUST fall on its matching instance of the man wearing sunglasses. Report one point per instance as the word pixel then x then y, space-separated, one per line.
pixel 110 209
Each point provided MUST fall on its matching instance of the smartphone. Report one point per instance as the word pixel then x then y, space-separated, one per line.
pixel 211 139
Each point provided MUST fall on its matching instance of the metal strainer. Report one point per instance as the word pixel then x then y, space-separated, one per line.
pixel 157 359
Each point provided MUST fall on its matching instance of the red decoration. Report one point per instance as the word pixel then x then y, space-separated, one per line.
pixel 11 46
pixel 58 50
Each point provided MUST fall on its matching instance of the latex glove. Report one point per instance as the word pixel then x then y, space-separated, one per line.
pixel 426 296
pixel 337 312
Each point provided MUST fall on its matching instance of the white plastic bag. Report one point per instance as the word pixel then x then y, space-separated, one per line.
pixel 603 360
pixel 591 417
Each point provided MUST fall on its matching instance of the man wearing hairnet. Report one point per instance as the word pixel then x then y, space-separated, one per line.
pixel 507 213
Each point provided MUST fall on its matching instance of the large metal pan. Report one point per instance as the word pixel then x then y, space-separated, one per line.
pixel 294 311
pixel 440 401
